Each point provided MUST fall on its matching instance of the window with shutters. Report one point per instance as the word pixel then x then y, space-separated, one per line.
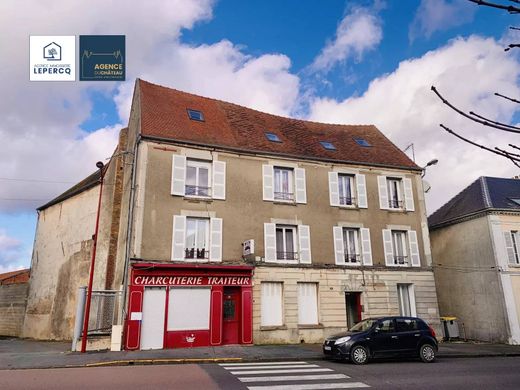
pixel 514 250
pixel 346 192
pixel 286 243
pixel 198 174
pixel 271 304
pixel 351 246
pixel 197 238
pixel 395 197
pixel 284 184
pixel 399 244
pixel 307 303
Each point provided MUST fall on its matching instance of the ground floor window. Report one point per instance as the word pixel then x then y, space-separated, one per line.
pixel 188 308
pixel 406 297
pixel 308 303
pixel 271 304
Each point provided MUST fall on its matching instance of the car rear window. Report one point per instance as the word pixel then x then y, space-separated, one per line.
pixel 406 324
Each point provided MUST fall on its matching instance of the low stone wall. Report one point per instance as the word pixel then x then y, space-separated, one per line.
pixel 13 299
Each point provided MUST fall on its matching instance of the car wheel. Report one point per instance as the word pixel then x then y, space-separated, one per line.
pixel 427 353
pixel 359 355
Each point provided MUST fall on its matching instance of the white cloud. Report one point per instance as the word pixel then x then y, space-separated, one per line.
pixel 467 72
pixel 12 253
pixel 358 32
pixel 440 15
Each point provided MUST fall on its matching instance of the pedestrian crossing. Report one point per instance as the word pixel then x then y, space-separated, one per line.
pixel 296 376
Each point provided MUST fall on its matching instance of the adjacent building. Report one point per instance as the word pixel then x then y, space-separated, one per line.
pixel 476 248
pixel 226 225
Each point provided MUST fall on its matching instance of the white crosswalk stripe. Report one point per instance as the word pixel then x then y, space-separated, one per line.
pixel 297 376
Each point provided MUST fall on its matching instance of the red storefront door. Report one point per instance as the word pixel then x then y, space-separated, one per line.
pixel 231 315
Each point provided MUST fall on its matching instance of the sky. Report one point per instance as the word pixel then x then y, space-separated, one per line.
pixel 352 62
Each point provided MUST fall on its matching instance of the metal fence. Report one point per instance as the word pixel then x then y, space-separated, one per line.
pixel 103 311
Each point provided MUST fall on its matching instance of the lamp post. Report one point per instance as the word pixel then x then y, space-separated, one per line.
pixel 86 317
pixel 430 163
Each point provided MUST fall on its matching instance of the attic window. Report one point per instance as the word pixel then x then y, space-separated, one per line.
pixel 195 115
pixel 272 137
pixel 362 142
pixel 327 145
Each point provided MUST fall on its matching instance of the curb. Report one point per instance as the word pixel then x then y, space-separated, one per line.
pixel 162 361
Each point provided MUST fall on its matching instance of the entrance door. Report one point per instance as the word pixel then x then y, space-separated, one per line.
pixel 152 325
pixel 231 315
pixel 353 306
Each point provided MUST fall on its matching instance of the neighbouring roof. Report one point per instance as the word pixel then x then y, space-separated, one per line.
pixel 15 277
pixel 83 185
pixel 230 126
pixel 485 193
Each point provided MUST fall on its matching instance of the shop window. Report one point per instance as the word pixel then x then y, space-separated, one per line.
pixel 188 308
pixel 271 304
pixel 307 303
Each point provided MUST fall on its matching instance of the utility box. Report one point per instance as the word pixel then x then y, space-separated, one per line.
pixel 450 327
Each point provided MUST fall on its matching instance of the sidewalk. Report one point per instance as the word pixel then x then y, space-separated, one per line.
pixel 25 354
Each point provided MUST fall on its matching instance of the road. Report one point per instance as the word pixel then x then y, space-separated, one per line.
pixel 471 373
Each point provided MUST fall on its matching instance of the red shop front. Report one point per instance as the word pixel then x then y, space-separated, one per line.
pixel 177 305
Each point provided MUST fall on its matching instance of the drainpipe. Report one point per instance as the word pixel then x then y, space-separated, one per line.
pixel 100 165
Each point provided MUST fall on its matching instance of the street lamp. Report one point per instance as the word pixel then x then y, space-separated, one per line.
pixel 86 317
pixel 430 163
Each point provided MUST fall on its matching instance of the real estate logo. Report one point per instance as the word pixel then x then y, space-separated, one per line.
pixel 52 58
pixel 102 57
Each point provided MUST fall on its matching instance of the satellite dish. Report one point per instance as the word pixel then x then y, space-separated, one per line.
pixel 426 186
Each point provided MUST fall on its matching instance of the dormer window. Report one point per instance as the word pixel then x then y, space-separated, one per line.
pixel 195 115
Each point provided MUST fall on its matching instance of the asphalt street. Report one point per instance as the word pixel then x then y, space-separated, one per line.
pixel 464 373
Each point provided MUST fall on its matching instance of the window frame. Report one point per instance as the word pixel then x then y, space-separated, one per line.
pixel 263 309
pixel 404 242
pixel 399 191
pixel 207 240
pixel 342 177
pixel 272 137
pixel 296 253
pixel 198 165
pixel 407 288
pixel 346 231
pixel 289 197
pixel 316 313
pixel 515 239
pixel 191 111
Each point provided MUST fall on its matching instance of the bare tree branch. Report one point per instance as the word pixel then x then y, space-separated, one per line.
pixel 482 122
pixel 478 145
pixel 506 152
pixel 514 146
pixel 509 8
pixel 508 98
pixel 514 28
pixel 511 46
pixel 494 122
pixel 508 155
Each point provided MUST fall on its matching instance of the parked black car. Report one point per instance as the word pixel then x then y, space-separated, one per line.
pixel 383 337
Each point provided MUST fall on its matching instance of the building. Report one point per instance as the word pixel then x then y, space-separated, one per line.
pixel 13 298
pixel 475 246
pixel 232 226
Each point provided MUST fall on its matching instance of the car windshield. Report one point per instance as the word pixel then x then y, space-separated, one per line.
pixel 362 326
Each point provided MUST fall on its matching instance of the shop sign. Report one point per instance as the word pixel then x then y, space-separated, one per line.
pixel 192 280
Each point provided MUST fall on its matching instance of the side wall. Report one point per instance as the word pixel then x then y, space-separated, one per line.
pixel 466 276
pixel 13 299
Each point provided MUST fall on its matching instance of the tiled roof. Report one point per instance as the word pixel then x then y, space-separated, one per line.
pixel 15 277
pixel 485 193
pixel 230 126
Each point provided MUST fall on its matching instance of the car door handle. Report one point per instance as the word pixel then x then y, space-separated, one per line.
pixel 394 337
pixel 417 334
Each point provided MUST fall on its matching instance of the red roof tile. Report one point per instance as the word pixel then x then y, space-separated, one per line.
pixel 15 277
pixel 164 115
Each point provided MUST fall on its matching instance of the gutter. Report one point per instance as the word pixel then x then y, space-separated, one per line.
pixel 263 153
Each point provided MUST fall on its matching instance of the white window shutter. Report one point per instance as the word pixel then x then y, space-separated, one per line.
pixel 299 184
pixel 362 202
pixel 383 192
pixel 366 246
pixel 339 246
pixel 408 195
pixel 414 248
pixel 268 181
pixel 178 175
pixel 333 189
pixel 219 180
pixel 389 249
pixel 270 242
pixel 509 247
pixel 215 239
pixel 178 239
pixel 304 240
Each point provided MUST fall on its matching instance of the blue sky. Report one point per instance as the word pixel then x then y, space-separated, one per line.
pixel 334 61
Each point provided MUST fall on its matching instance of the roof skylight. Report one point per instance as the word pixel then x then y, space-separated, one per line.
pixel 195 115
pixel 327 145
pixel 362 142
pixel 272 137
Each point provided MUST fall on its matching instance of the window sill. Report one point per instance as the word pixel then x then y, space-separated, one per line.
pixel 315 326
pixel 348 207
pixel 285 202
pixel 268 328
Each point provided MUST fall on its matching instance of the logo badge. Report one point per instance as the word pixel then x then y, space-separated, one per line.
pixel 52 58
pixel 102 57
